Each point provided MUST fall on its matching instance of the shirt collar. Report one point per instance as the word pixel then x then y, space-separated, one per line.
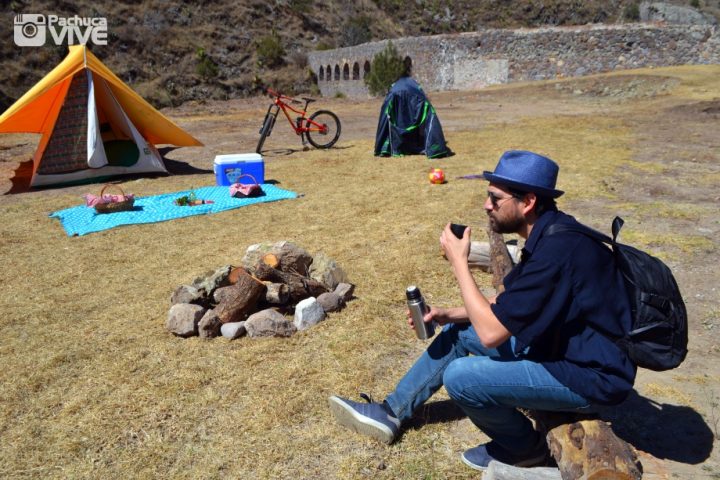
pixel 541 223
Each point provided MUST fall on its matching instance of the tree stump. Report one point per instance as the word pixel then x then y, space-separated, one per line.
pixel 479 256
pixel 590 450
pixel 500 261
pixel 586 448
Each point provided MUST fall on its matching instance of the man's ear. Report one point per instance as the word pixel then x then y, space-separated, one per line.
pixel 529 200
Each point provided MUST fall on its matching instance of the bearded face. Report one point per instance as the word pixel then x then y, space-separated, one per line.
pixel 500 223
pixel 504 214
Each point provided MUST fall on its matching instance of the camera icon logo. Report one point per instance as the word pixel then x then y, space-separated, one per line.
pixel 30 30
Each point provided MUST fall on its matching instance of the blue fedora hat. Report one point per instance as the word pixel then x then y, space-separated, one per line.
pixel 527 172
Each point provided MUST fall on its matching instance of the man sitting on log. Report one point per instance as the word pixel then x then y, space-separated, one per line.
pixel 544 343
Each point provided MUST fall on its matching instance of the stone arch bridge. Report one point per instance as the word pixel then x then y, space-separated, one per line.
pixel 473 60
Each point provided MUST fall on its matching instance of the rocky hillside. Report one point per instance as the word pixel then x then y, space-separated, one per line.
pixel 174 51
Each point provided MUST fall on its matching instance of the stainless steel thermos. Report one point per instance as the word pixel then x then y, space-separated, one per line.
pixel 416 304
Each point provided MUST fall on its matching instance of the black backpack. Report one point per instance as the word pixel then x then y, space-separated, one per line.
pixel 659 335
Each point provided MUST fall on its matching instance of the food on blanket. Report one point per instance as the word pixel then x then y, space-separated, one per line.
pixel 186 199
pixel 191 200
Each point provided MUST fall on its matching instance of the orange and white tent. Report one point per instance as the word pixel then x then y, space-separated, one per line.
pixel 92 124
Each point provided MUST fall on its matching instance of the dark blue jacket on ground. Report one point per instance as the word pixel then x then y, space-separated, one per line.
pixel 408 123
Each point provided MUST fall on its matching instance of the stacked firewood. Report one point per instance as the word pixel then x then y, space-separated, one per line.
pixel 256 297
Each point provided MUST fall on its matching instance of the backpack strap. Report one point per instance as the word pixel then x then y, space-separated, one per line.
pixel 590 232
pixel 616 226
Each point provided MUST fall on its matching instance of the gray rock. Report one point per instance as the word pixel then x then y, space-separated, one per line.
pixel 186 294
pixel 674 14
pixel 345 291
pixel 330 302
pixel 292 257
pixel 268 323
pixel 326 270
pixel 183 319
pixel 213 280
pixel 308 313
pixel 233 330
pixel 209 325
pixel 254 254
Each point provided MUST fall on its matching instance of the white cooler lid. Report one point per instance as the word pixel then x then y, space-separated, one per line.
pixel 238 157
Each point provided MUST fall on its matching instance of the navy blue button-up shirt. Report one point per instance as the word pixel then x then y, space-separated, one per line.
pixel 565 290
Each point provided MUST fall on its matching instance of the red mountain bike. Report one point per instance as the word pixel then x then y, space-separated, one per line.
pixel 322 128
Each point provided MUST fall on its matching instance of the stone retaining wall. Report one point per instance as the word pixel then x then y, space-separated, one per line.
pixel 473 60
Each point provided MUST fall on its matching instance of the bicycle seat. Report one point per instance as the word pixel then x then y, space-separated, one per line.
pixel 308 100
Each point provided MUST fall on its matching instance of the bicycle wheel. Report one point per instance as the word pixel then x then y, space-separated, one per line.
pixel 323 129
pixel 265 130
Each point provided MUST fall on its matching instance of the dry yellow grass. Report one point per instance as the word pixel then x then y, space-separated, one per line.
pixel 94 387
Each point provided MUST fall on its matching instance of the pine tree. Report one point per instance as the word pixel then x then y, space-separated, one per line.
pixel 386 68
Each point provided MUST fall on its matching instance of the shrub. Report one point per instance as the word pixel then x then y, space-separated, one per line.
pixel 387 66
pixel 205 67
pixel 270 51
pixel 324 45
pixel 632 12
pixel 695 3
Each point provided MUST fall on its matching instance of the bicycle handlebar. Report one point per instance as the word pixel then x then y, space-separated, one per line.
pixel 272 93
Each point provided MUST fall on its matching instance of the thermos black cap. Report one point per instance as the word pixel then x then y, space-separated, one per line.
pixel 413 293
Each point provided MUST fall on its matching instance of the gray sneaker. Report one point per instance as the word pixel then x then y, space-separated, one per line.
pixel 480 457
pixel 371 419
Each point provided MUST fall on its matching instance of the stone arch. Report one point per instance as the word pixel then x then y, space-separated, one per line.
pixel 337 72
pixel 328 73
pixel 321 74
pixel 366 68
pixel 346 72
pixel 356 71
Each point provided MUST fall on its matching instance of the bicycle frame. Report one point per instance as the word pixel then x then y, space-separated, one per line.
pixel 302 124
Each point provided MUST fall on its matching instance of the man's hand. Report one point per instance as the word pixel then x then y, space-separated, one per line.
pixel 456 250
pixel 439 315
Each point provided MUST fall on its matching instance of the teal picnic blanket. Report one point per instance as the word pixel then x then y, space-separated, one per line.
pixel 82 220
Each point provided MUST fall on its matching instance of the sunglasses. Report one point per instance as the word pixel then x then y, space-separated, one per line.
pixel 497 201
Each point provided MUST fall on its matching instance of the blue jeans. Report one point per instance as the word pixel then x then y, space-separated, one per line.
pixel 488 386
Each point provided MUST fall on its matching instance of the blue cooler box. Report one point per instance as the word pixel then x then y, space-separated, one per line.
pixel 229 168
